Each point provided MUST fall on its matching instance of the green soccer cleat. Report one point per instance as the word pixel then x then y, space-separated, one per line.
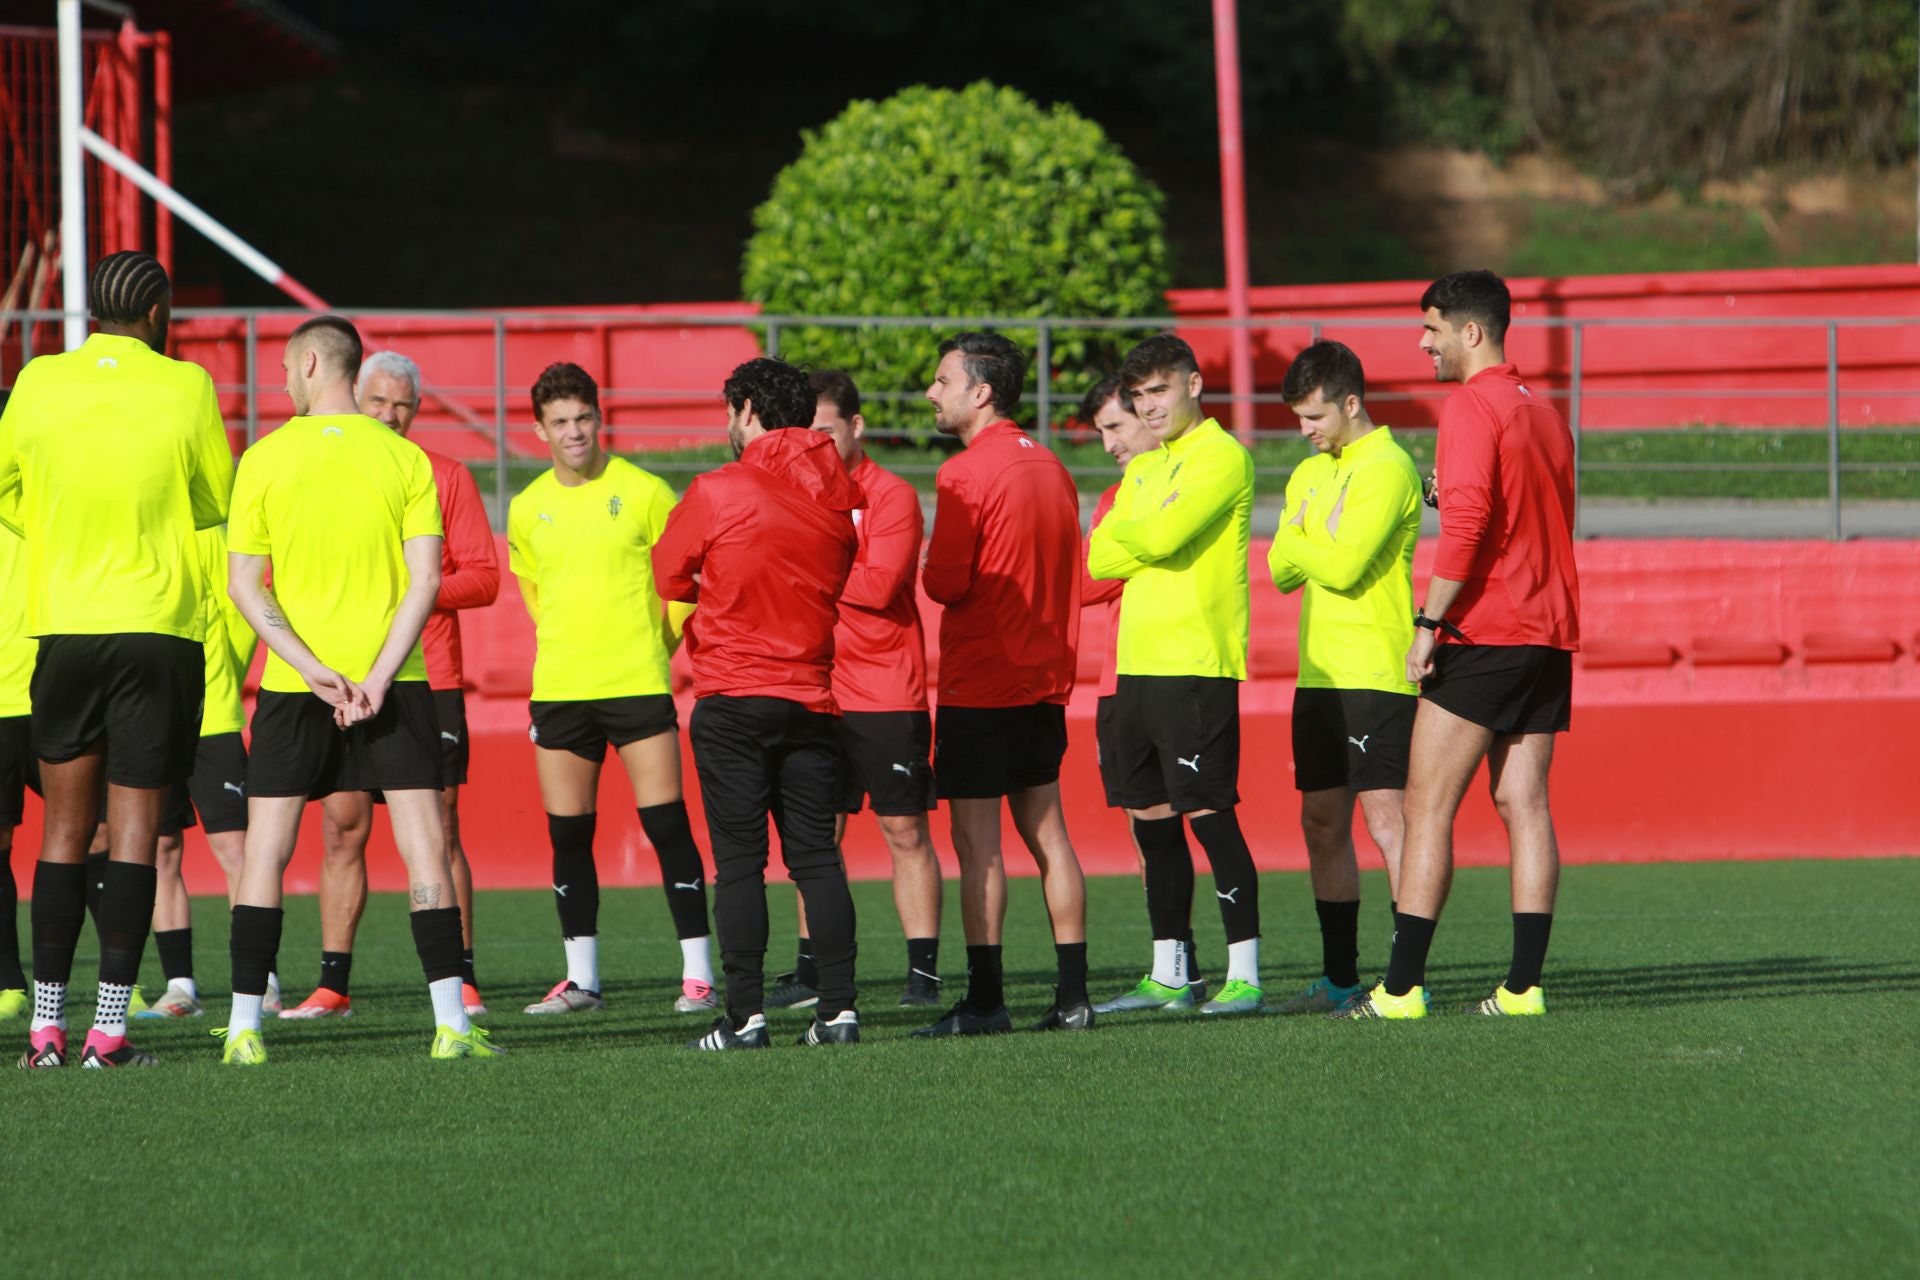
pixel 1321 996
pixel 1149 995
pixel 1503 1003
pixel 1378 1004
pixel 449 1044
pixel 14 1003
pixel 1237 996
pixel 136 1003
pixel 244 1050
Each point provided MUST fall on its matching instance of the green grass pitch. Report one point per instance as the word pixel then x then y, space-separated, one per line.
pixel 1726 1084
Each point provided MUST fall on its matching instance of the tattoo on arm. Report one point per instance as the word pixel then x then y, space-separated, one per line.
pixel 271 612
pixel 426 895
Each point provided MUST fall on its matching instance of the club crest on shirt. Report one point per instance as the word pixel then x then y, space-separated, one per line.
pixel 613 506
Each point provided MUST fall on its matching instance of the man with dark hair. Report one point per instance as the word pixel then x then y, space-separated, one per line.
pixel 1492 647
pixel 1004 560
pixel 764 546
pixel 1178 537
pixel 880 682
pixel 1346 540
pixel 580 539
pixel 344 510
pixel 111 457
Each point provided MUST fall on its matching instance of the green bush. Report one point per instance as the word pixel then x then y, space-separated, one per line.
pixel 944 203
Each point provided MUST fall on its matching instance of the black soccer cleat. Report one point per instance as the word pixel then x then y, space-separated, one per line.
pixel 790 993
pixel 724 1035
pixel 964 1020
pixel 843 1029
pixel 1074 1017
pixel 922 989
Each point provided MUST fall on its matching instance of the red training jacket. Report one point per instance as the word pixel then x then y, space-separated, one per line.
pixel 1505 464
pixel 469 569
pixel 1005 561
pixel 879 649
pixel 1105 592
pixel 772 541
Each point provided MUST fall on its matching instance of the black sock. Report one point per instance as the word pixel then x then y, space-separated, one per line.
pixel 1530 931
pixel 254 947
pixel 805 971
pixel 1072 990
pixel 466 968
pixel 124 919
pixel 436 937
pixel 336 971
pixel 59 910
pixel 176 952
pixel 12 977
pixel 1235 881
pixel 923 956
pixel 985 990
pixel 1169 875
pixel 681 873
pixel 1412 938
pixel 576 881
pixel 1339 941
pixel 1193 957
pixel 96 865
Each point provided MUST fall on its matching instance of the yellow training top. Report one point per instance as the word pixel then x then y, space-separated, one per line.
pixel 229 643
pixel 110 457
pixel 331 500
pixel 1356 619
pixel 17 649
pixel 583 554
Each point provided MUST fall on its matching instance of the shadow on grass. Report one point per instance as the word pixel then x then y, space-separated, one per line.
pixel 1760 977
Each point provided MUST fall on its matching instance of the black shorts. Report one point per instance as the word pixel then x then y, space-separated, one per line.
pixel 589 726
pixel 1514 688
pixel 1106 746
pixel 1177 742
pixel 18 768
pixel 982 753
pixel 883 757
pixel 450 709
pixel 1353 738
pixel 219 783
pixel 137 692
pixel 299 751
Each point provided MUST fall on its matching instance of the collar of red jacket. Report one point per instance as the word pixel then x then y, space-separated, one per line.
pixel 994 430
pixel 810 462
pixel 1507 370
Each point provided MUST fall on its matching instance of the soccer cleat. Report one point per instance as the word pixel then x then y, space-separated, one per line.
pixel 1321 996
pixel 1074 1017
pixel 136 1003
pixel 113 1051
pixel 325 1002
pixel 922 989
pixel 1198 988
pixel 14 1003
pixel 174 1004
pixel 1149 995
pixel 752 1035
pixel 1503 1003
pixel 790 993
pixel 1237 996
pixel 695 997
pixel 964 1020
pixel 568 997
pixel 270 1003
pixel 843 1029
pixel 46 1047
pixel 471 1043
pixel 470 998
pixel 244 1050
pixel 1378 1004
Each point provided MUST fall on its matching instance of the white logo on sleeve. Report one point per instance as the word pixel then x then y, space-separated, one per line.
pixel 1360 742
pixel 1193 764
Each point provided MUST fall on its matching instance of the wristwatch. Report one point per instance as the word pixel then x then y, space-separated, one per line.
pixel 1425 623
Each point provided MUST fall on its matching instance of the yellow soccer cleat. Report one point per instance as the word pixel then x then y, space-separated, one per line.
pixel 1503 1003
pixel 15 1003
pixel 449 1044
pixel 244 1050
pixel 1378 1004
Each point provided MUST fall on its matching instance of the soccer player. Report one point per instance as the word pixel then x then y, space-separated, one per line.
pixel 1345 540
pixel 111 456
pixel 764 545
pixel 1004 560
pixel 880 683
pixel 1493 644
pixel 579 538
pixel 388 391
pixel 1178 536
pixel 345 512
pixel 18 769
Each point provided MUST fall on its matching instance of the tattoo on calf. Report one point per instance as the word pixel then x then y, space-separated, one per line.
pixel 426 895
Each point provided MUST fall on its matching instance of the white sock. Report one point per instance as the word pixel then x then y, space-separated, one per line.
pixel 583 962
pixel 695 962
pixel 245 1016
pixel 110 1013
pixel 1169 962
pixel 1243 961
pixel 49 1006
pixel 449 1010
pixel 185 986
pixel 273 982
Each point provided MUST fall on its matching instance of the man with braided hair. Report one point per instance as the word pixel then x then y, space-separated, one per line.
pixel 111 457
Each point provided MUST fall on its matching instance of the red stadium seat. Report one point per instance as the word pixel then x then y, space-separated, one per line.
pixel 1609 654
pixel 1849 646
pixel 1737 651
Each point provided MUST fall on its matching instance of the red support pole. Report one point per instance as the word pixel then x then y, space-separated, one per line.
pixel 1233 211
pixel 163 144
